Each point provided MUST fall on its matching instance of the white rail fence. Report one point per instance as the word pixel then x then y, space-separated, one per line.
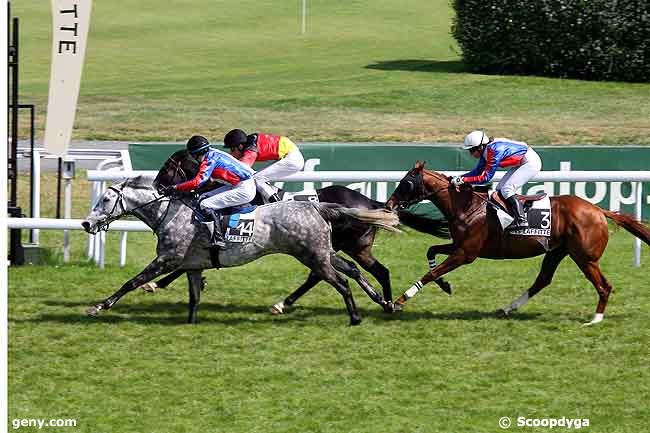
pixel 96 244
pixel 119 159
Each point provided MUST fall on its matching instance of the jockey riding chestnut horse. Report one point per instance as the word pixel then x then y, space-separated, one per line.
pixel 578 230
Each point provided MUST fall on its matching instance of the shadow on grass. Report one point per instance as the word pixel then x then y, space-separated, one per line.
pixel 176 313
pixel 415 65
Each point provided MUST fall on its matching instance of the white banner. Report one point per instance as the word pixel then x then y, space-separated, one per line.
pixel 70 24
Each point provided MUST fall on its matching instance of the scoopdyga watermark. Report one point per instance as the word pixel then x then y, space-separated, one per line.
pixel 563 422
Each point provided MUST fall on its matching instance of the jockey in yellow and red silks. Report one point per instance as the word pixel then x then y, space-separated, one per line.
pixel 265 147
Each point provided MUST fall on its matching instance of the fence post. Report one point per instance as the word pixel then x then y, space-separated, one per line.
pixel 36 193
pixel 638 206
pixel 123 249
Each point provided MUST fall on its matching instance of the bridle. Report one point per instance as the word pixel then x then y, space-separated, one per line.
pixel 103 225
pixel 178 168
pixel 416 181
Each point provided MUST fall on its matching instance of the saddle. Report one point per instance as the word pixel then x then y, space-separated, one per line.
pixel 527 200
pixel 230 215
pixel 228 218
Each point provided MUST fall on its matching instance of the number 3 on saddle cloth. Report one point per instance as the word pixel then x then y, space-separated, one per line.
pixel 538 213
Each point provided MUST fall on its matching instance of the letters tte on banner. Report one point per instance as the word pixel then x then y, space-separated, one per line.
pixel 70 24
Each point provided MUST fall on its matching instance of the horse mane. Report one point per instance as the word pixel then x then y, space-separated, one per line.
pixel 138 182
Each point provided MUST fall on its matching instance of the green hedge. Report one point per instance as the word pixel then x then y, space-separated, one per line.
pixel 589 39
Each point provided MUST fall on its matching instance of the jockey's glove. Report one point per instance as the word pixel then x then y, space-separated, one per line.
pixel 457 181
pixel 167 190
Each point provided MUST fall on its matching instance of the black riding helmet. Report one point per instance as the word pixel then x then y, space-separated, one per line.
pixel 234 138
pixel 197 144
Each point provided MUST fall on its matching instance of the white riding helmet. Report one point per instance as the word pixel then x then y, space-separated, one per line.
pixel 475 138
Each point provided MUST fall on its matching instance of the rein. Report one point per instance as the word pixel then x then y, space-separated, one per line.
pixel 120 201
pixel 436 191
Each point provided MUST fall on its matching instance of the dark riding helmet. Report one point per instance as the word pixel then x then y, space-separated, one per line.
pixel 234 138
pixel 197 144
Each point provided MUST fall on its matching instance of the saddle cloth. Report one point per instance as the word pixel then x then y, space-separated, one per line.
pixel 298 196
pixel 238 223
pixel 538 212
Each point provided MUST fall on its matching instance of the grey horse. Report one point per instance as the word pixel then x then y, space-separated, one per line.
pixel 299 229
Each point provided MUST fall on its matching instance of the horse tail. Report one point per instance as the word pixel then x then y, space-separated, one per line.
pixel 630 224
pixel 438 227
pixel 381 218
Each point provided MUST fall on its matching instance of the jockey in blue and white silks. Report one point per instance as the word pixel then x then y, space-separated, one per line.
pixel 220 166
pixel 523 163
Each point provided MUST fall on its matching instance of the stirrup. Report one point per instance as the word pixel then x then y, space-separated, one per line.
pixel 518 224
pixel 217 239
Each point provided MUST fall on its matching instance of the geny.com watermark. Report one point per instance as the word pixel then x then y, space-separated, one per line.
pixel 40 423
pixel 567 423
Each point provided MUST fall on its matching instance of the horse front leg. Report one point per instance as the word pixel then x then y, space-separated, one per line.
pixel 195 282
pixel 157 267
pixel 456 259
pixel 446 249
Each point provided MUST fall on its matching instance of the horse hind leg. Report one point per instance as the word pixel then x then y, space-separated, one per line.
pixel 329 274
pixel 350 269
pixel 282 306
pixel 431 258
pixel 165 281
pixel 549 266
pixel 370 264
pixel 593 273
pixel 342 286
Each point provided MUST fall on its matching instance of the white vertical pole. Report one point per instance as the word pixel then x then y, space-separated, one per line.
pixel 303 26
pixel 382 191
pixel 102 249
pixel 91 238
pixel 638 205
pixel 123 249
pixel 36 198
pixel 67 214
pixel 565 187
pixel 99 238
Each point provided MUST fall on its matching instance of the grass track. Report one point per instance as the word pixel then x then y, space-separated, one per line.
pixel 365 70
pixel 445 364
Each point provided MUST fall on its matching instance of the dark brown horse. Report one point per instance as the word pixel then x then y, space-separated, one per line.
pixel 578 229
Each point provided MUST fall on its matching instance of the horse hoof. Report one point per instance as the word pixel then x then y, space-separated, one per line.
pixel 389 307
pixel 150 287
pixel 502 313
pixel 397 307
pixel 355 322
pixel 93 311
pixel 597 319
pixel 446 287
pixel 277 309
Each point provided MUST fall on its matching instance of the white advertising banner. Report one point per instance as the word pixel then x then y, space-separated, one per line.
pixel 70 24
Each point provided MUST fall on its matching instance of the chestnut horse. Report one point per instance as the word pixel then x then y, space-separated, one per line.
pixel 578 229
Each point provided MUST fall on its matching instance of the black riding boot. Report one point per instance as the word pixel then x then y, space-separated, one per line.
pixel 217 239
pixel 518 213
pixel 274 198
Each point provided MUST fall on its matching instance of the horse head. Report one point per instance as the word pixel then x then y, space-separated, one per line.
pixel 411 188
pixel 179 167
pixel 117 201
